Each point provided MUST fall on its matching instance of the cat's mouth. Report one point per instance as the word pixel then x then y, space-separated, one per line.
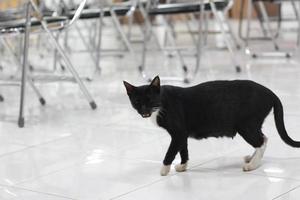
pixel 146 115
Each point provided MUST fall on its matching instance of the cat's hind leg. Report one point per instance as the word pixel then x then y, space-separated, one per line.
pixel 248 158
pixel 259 142
pixel 255 160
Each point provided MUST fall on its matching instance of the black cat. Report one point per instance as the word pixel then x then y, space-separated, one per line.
pixel 211 109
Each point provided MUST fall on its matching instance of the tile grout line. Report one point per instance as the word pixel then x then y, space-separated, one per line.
pixel 33 146
pixel 75 163
pixel 286 192
pixel 151 183
pixel 250 173
pixel 44 193
pixel 209 169
pixel 159 180
pixel 47 174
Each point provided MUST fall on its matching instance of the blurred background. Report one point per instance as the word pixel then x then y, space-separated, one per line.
pixel 68 131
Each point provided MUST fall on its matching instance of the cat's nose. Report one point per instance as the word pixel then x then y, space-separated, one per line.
pixel 144 109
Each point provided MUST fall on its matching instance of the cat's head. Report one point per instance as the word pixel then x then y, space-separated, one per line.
pixel 144 99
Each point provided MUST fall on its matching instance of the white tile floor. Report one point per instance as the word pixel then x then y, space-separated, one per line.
pixel 67 151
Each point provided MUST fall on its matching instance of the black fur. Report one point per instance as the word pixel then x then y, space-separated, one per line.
pixel 211 109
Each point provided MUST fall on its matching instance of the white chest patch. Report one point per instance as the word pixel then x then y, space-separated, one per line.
pixel 153 117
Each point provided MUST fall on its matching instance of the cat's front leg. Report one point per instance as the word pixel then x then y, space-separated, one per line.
pixel 165 169
pixel 184 154
pixel 174 147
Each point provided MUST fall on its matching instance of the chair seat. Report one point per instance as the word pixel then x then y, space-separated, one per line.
pixel 177 8
pixel 19 25
pixel 93 13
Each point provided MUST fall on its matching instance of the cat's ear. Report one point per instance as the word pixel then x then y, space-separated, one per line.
pixel 156 82
pixel 129 87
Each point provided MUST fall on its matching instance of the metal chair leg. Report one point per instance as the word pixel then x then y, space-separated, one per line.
pixel 177 51
pixel 146 37
pixel 121 32
pixel 99 40
pixel 266 19
pixel 70 67
pixel 229 47
pixel 297 14
pixel 260 20
pixel 21 120
pixel 87 45
pixel 298 38
pixel 205 35
pixel 230 31
pixel 148 23
pixel 55 56
pixel 18 63
pixel 189 28
pixel 200 42
pixel 130 24
pixel 66 59
pixel 249 13
pixel 37 92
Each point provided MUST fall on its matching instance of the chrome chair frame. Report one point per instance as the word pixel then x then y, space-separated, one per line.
pixel 26 28
pixel 199 46
pixel 206 31
pixel 101 11
pixel 267 30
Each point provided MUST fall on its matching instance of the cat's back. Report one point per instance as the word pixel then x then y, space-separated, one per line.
pixel 225 86
pixel 218 89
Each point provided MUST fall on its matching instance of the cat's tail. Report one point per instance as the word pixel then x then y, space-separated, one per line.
pixel 278 116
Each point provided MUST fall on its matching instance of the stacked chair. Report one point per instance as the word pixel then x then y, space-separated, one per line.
pixel 31 20
pixel 215 7
pixel 96 11
pixel 268 34
pixel 94 14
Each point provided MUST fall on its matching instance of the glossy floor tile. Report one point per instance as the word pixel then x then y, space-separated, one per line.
pixel 279 160
pixel 68 151
pixel 103 178
pixel 16 193
pixel 290 195
pixel 205 184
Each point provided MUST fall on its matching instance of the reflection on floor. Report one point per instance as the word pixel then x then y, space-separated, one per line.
pixel 67 151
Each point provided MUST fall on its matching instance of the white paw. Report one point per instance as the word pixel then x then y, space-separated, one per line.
pixel 181 167
pixel 247 159
pixel 249 167
pixel 165 169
